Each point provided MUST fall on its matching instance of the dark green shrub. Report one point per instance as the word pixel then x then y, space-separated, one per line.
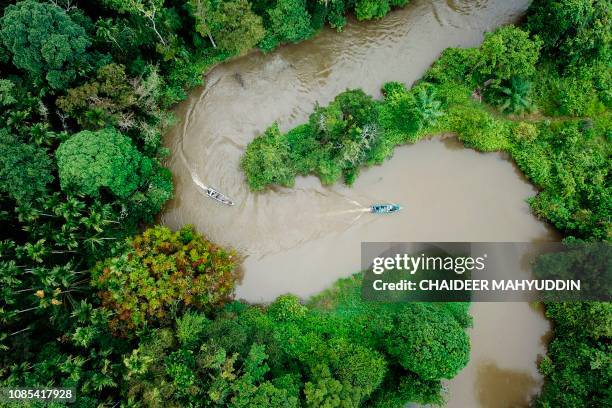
pixel 574 32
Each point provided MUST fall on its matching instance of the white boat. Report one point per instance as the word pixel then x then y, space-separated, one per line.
pixel 215 195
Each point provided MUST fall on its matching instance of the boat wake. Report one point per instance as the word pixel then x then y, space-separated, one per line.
pixel 341 212
pixel 358 211
pixel 195 178
pixel 209 191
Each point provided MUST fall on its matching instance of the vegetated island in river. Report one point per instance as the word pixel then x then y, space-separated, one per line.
pixel 486 96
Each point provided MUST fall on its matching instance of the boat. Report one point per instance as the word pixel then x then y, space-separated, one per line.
pixel 217 196
pixel 385 208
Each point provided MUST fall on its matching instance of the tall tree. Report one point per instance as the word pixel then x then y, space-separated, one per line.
pixel 44 41
pixel 101 101
pixel 429 342
pixel 508 52
pixel 147 9
pixel 202 11
pixel 289 23
pixel 236 27
pixel 160 273
pixel 89 161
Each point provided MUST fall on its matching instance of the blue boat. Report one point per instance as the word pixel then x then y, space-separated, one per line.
pixel 385 208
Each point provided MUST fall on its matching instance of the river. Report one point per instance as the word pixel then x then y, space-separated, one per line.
pixel 300 240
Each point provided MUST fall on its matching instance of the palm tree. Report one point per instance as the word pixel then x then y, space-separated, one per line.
pixel 71 208
pixel 38 251
pixel 428 107
pixel 515 98
pixel 41 135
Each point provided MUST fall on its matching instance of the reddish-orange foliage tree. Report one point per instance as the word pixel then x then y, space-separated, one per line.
pixel 160 273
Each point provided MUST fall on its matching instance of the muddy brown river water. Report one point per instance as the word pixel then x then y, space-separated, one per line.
pixel 301 240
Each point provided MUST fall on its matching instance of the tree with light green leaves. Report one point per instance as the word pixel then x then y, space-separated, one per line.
pixel 506 53
pixel 369 9
pixel 236 27
pixel 90 161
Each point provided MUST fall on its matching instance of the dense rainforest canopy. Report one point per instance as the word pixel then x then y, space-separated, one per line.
pixel 91 298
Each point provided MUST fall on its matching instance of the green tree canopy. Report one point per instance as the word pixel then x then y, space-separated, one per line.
pixel 573 31
pixel 508 52
pixel 98 103
pixel 25 170
pixel 89 161
pixel 266 159
pixel 289 23
pixel 44 41
pixel 430 342
pixel 577 367
pixel 369 9
pixel 287 355
pixel 237 28
pixel 7 96
pixel 161 22
pixel 132 6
